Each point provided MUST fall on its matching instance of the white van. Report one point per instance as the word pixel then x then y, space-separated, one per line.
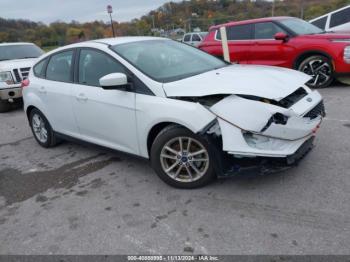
pixel 336 21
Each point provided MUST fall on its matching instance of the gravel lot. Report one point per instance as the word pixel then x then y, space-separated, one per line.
pixel 75 199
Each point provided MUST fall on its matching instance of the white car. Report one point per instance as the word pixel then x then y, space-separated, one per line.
pixel 194 38
pixel 336 21
pixel 16 59
pixel 194 116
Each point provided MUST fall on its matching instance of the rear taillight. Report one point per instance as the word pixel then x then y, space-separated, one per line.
pixel 25 83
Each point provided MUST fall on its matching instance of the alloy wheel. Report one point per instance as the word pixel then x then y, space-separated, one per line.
pixel 320 71
pixel 184 159
pixel 39 128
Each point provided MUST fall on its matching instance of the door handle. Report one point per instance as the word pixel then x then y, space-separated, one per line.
pixel 81 97
pixel 42 90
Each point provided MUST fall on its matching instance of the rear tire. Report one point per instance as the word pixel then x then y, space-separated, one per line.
pixel 182 159
pixel 321 70
pixel 42 129
pixel 5 106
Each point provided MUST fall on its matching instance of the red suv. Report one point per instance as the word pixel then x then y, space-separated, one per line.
pixel 286 42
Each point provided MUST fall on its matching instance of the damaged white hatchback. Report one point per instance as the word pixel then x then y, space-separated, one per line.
pixel 194 116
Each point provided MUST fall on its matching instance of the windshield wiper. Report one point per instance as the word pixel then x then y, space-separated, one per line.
pixel 6 59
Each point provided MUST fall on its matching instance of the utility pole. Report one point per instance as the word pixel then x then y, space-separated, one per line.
pixel 302 9
pixel 273 8
pixel 110 11
pixel 153 23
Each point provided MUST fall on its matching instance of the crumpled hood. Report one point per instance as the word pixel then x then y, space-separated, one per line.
pixel 262 81
pixel 9 65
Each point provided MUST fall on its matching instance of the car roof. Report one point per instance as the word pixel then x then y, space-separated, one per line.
pixel 108 42
pixel 18 43
pixel 125 40
pixel 251 21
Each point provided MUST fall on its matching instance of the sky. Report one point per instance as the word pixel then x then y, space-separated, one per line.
pixel 48 11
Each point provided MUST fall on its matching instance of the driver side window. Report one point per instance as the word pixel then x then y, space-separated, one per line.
pixel 267 30
pixel 94 64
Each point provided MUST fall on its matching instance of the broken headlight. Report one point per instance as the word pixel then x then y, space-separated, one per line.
pixel 278 119
pixel 263 142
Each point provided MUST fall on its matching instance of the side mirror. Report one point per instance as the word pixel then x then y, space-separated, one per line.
pixel 114 81
pixel 281 36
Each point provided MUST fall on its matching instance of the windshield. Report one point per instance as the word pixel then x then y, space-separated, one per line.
pixel 167 61
pixel 301 27
pixel 11 52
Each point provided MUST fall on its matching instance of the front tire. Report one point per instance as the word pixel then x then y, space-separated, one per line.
pixel 42 129
pixel 321 70
pixel 182 159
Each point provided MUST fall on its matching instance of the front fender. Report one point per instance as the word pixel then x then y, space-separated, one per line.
pixel 151 110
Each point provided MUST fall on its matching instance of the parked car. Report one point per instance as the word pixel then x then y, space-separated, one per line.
pixel 16 60
pixel 194 116
pixel 336 21
pixel 194 38
pixel 285 42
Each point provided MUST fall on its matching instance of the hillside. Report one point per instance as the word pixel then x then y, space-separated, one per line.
pixel 185 14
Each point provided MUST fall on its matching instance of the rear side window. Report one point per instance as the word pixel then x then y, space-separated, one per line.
pixel 238 32
pixel 94 64
pixel 59 67
pixel 39 69
pixel 187 38
pixel 196 38
pixel 321 23
pixel 267 30
pixel 340 17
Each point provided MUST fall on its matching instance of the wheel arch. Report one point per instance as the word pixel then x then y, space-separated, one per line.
pixel 301 57
pixel 156 129
pixel 29 109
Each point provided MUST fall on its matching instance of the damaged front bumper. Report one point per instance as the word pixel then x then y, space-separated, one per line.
pixel 246 131
pixel 244 146
pixel 229 165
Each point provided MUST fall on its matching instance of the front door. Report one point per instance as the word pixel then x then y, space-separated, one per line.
pixel 104 117
pixel 267 50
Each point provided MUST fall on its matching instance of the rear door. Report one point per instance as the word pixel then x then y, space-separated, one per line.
pixel 104 117
pixel 196 40
pixel 268 50
pixel 56 92
pixel 240 41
